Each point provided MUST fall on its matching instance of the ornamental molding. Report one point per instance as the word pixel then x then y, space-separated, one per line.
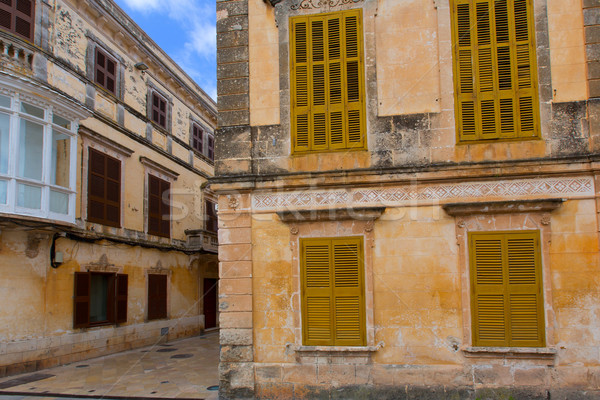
pixel 314 4
pixel 414 193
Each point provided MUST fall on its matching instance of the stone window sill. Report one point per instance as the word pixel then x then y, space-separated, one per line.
pixel 540 353
pixel 333 350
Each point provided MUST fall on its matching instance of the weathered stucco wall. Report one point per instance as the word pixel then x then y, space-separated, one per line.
pixel 36 317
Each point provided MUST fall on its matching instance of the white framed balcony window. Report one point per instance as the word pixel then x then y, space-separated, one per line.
pixel 37 158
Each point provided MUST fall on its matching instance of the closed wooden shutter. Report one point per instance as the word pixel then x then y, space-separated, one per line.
pixel 17 16
pixel 106 70
pixel 327 82
pixel 159 110
pixel 507 298
pixel 197 136
pixel 157 296
pixel 159 208
pixel 121 298
pixel 81 309
pixel 212 222
pixel 211 147
pixel 104 189
pixel 333 292
pixel 495 70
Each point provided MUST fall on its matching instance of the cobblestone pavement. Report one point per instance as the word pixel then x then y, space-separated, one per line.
pixel 180 369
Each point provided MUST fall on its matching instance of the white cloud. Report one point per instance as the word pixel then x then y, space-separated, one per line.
pixel 143 5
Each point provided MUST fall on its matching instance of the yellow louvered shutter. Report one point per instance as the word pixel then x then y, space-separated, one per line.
pixel 332 292
pixel 507 301
pixel 327 83
pixel 495 70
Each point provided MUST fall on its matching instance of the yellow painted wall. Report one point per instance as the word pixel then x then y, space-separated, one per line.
pixel 264 64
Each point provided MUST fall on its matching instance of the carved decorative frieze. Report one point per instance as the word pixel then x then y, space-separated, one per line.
pixel 313 4
pixel 413 194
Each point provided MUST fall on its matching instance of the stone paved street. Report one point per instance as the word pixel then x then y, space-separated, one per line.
pixel 178 369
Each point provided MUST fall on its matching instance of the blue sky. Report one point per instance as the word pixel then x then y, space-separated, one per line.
pixel 185 30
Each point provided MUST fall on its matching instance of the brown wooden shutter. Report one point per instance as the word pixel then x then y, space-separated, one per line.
pixel 495 69
pixel 197 136
pixel 81 309
pixel 121 298
pixel 507 300
pixel 104 189
pixel 159 110
pixel 157 296
pixel 212 222
pixel 106 69
pixel 17 16
pixel 159 208
pixel 211 147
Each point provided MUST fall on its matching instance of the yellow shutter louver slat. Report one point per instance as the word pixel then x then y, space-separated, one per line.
pixel 333 78
pixel 506 287
pixel 495 53
pixel 332 292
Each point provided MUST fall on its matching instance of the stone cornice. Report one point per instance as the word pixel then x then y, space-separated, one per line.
pixel 502 207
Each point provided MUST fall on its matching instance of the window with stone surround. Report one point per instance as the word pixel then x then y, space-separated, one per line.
pixel 100 299
pixel 159 207
pixel 495 70
pixel 17 16
pixel 327 82
pixel 104 189
pixel 37 158
pixel 105 71
pixel 506 285
pixel 158 111
pixel 332 275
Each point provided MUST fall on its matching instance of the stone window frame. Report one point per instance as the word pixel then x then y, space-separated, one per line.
pixel 206 133
pixel 91 139
pixel 514 216
pixel 155 169
pixel 331 224
pixel 90 65
pixel 282 20
pixel 153 88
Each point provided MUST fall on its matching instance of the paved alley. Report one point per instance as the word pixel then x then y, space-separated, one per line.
pixel 180 369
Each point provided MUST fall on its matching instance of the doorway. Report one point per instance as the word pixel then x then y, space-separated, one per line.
pixel 210 302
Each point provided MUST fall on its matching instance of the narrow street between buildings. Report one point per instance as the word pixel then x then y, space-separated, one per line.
pixel 182 369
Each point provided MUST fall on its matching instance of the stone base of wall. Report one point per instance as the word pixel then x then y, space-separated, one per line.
pixel 34 354
pixel 358 392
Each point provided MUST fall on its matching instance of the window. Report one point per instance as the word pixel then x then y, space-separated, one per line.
pixel 211 146
pixel 17 16
pixel 506 288
pixel 104 189
pixel 328 107
pixel 37 159
pixel 212 223
pixel 105 71
pixel 495 70
pixel 159 208
pixel 100 299
pixel 197 136
pixel 333 310
pixel 157 296
pixel 159 110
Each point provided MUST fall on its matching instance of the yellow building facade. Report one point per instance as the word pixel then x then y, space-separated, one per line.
pixel 108 231
pixel 408 198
